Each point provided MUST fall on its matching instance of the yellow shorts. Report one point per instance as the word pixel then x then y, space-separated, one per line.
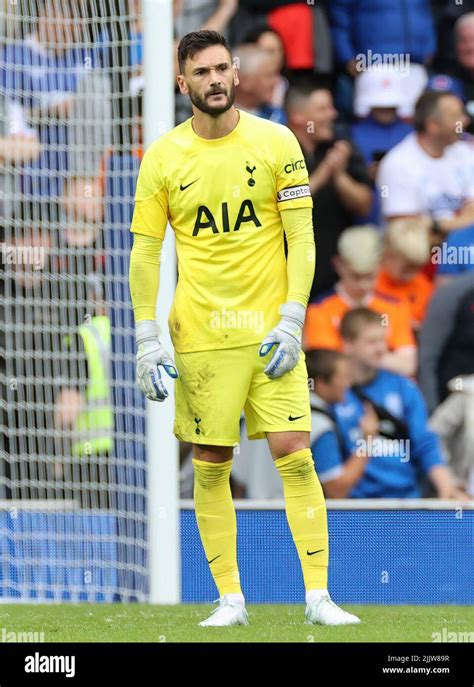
pixel 215 386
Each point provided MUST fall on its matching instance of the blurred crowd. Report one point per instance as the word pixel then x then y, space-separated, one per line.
pixel 380 95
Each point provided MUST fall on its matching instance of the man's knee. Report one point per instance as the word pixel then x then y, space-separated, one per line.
pixel 212 454
pixel 284 443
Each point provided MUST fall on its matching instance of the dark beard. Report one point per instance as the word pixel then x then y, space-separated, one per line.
pixel 202 104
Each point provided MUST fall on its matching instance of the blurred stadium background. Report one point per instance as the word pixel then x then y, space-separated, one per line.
pixel 94 492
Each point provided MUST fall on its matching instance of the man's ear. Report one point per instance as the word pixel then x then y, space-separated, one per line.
pixel 183 88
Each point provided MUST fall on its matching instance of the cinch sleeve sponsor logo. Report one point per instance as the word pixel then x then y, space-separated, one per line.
pixel 292 166
pixel 293 192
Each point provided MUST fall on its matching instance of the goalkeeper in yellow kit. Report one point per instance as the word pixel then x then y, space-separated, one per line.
pixel 232 185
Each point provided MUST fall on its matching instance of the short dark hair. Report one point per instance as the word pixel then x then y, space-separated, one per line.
pixel 427 106
pixel 257 31
pixel 301 88
pixel 322 362
pixel 354 321
pixel 194 42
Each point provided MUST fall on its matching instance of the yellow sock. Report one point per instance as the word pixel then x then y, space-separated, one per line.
pixel 306 515
pixel 217 522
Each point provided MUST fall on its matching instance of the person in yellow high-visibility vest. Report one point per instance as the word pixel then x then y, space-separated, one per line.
pixel 95 423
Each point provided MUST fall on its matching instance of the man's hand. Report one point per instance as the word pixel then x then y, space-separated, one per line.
pixel 369 422
pixel 286 336
pixel 337 158
pixel 67 408
pixel 150 357
pixel 452 492
pixel 321 176
pixel 443 482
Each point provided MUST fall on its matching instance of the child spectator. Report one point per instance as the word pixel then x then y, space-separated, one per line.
pixel 357 263
pixel 403 449
pixel 338 472
pixel 406 251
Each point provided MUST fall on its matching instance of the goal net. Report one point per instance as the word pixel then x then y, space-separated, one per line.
pixel 72 422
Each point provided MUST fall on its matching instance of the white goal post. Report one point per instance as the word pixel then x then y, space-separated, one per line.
pixel 162 447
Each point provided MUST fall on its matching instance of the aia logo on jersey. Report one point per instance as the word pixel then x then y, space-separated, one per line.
pixel 223 222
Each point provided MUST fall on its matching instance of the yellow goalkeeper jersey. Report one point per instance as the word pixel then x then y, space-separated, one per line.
pixel 223 198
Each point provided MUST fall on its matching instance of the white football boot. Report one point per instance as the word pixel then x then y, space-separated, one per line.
pixel 324 611
pixel 227 613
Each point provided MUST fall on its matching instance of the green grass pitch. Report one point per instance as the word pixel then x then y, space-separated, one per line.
pixel 268 623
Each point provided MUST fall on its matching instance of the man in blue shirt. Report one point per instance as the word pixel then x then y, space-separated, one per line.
pixel 330 377
pixel 51 72
pixel 403 450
